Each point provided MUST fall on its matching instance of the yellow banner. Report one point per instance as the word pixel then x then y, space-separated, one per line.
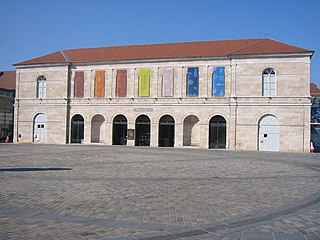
pixel 144 82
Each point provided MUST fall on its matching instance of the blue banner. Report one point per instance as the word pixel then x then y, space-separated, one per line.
pixel 218 82
pixel 193 82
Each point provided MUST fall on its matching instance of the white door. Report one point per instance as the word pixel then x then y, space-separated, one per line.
pixel 269 133
pixel 40 128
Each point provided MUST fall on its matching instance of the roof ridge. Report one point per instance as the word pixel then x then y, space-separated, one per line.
pixel 249 45
pixel 65 56
pixel 160 44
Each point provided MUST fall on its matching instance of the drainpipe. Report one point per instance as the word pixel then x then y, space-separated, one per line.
pixel 68 99
pixel 17 104
pixel 233 97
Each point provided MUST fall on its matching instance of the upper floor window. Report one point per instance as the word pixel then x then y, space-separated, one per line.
pixel 79 84
pixel 167 82
pixel 144 82
pixel 99 83
pixel 269 82
pixel 193 82
pixel 121 83
pixel 41 86
pixel 218 82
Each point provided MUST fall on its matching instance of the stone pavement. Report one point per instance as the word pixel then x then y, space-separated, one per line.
pixel 120 192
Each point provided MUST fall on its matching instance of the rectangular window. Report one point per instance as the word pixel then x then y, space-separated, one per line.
pixel 99 84
pixel 144 82
pixel 265 87
pixel 167 82
pixel 269 85
pixel 193 82
pixel 41 88
pixel 218 82
pixel 121 88
pixel 272 86
pixel 79 84
pixel 269 82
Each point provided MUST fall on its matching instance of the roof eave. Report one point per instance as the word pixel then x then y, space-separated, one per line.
pixel 281 54
pixel 36 65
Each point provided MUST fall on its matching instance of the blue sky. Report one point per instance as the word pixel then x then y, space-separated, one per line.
pixel 32 28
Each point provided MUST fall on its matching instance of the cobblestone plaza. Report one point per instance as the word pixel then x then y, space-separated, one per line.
pixel 121 192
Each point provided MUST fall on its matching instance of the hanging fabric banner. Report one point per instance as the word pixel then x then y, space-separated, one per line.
pixel 193 82
pixel 121 89
pixel 167 82
pixel 99 84
pixel 79 84
pixel 144 82
pixel 218 80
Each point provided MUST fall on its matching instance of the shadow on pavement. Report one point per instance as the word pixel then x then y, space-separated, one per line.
pixel 32 169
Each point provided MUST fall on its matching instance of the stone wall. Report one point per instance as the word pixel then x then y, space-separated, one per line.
pixel 242 107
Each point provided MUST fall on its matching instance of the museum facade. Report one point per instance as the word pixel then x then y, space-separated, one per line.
pixel 251 94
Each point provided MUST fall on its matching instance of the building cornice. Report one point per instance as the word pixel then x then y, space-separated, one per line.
pixel 39 65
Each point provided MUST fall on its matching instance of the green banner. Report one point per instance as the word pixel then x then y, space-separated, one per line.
pixel 144 82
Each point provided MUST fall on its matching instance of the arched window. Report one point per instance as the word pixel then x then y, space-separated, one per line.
pixel 217 132
pixel 142 131
pixel 120 129
pixel 269 82
pixel 41 86
pixel 166 131
pixel 77 129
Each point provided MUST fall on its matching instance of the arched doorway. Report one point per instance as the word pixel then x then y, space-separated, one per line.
pixel 191 131
pixel 77 129
pixel 142 131
pixel 119 130
pixel 217 132
pixel 40 128
pixel 166 131
pixel 269 132
pixel 97 128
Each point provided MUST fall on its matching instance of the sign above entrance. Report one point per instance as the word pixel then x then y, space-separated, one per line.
pixel 143 109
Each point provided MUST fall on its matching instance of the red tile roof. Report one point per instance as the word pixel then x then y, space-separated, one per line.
pixel 55 57
pixel 314 90
pixel 8 80
pixel 223 48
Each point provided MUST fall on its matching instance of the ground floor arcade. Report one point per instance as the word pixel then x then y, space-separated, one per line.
pixel 166 132
pixel 271 128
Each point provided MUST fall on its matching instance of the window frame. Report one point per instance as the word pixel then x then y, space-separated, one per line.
pixel 267 81
pixel 189 91
pixel 41 87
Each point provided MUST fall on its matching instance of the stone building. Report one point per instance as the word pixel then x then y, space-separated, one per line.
pixel 315 116
pixel 251 94
pixel 7 94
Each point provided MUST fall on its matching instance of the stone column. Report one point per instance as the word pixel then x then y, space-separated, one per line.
pixel 204 135
pixel 178 140
pixel 154 135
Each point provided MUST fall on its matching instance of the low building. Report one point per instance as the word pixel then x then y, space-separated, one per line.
pixel 7 94
pixel 315 116
pixel 251 94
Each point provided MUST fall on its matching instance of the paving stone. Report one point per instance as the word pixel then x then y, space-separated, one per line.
pixel 283 236
pixel 130 192
pixel 312 237
pixel 249 235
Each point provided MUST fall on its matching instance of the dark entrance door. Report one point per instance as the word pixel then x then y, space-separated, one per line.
pixel 119 135
pixel 142 131
pixel 166 131
pixel 77 129
pixel 217 132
